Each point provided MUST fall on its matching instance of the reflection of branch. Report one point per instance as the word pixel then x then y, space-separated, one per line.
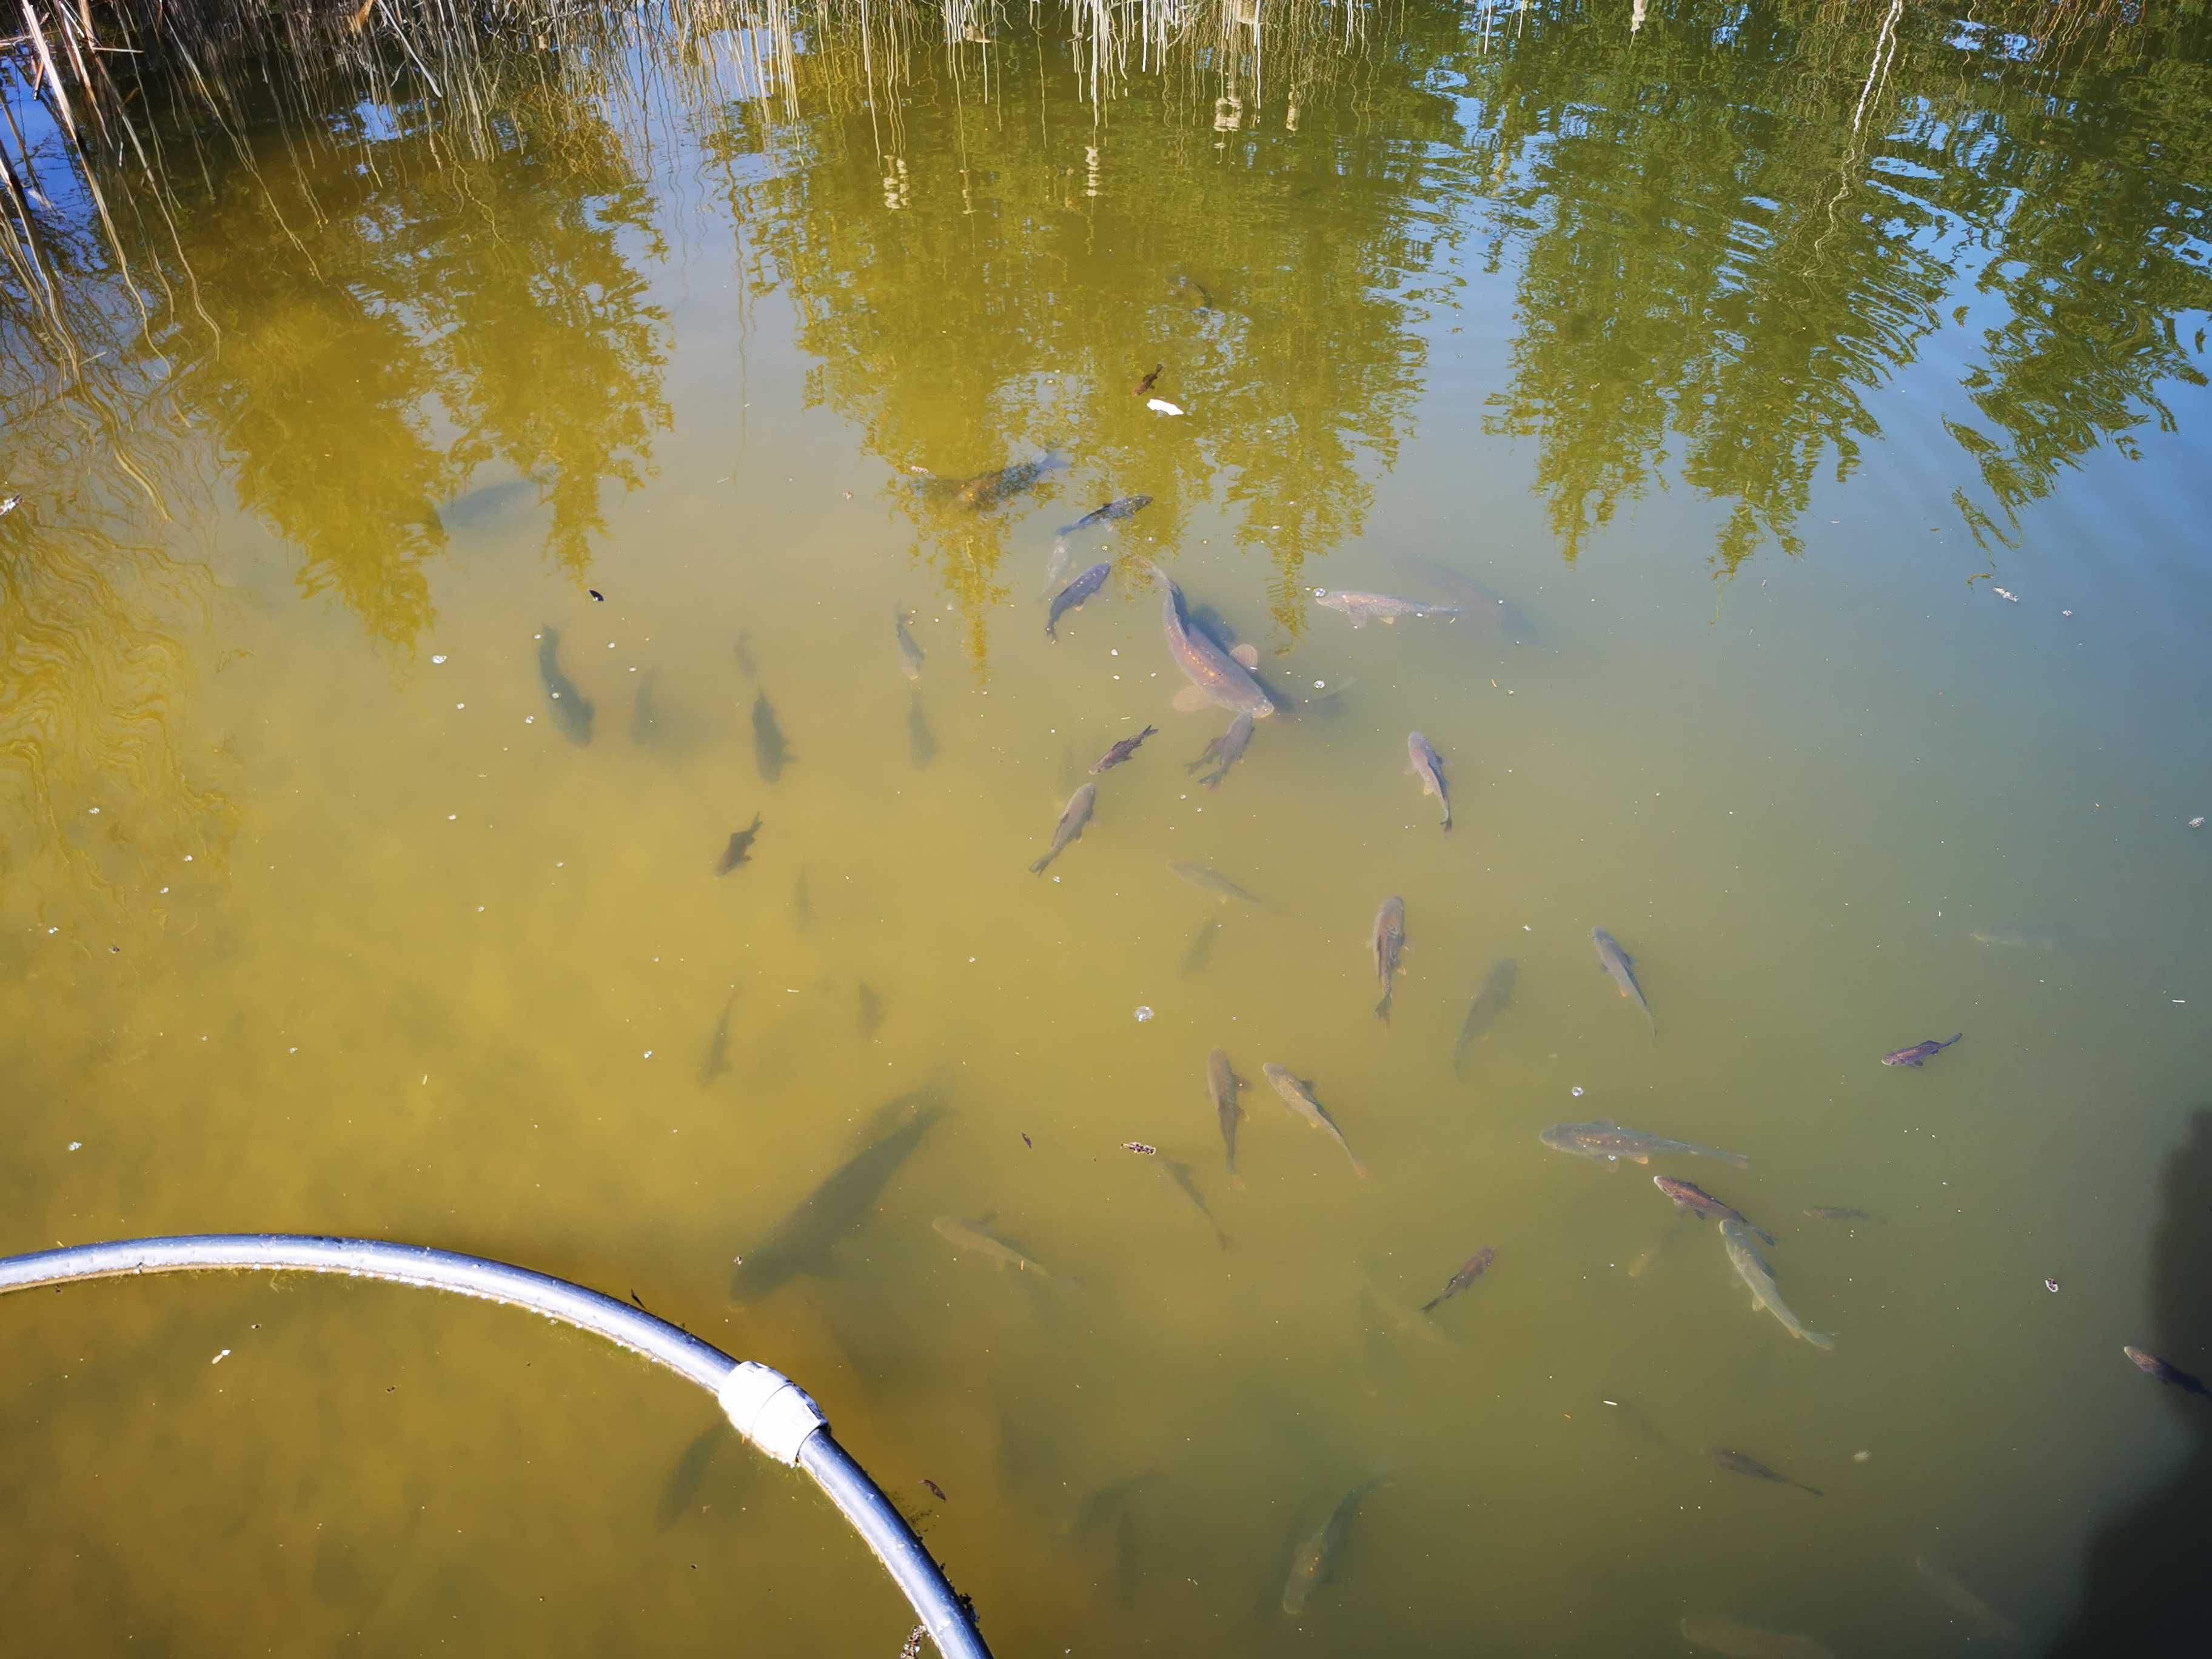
pixel 1885 48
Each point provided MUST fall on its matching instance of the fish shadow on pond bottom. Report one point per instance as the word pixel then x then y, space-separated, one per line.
pixel 2148 1579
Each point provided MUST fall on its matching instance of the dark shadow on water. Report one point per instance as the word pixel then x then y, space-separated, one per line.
pixel 2148 1587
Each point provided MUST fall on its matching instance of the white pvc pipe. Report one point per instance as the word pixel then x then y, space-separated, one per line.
pixel 766 1408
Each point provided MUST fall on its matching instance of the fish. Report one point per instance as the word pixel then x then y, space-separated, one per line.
pixel 1179 1175
pixel 1751 1268
pixel 1423 762
pixel 1227 750
pixel 1736 1462
pixel 1101 1506
pixel 1144 386
pixel 716 1060
pixel 739 850
pixel 1476 1266
pixel 1610 1141
pixel 1300 1097
pixel 802 1241
pixel 871 1010
pixel 474 507
pixel 1222 1087
pixel 1491 999
pixel 1919 1052
pixel 988 489
pixel 770 752
pixel 572 709
pixel 1690 1199
pixel 689 1474
pixel 1398 1320
pixel 1622 967
pixel 910 653
pixel 920 741
pixel 1071 597
pixel 1389 945
pixel 1122 751
pixel 1475 602
pixel 1716 1633
pixel 1364 608
pixel 1190 294
pixel 1113 512
pixel 644 716
pixel 1201 950
pixel 2151 1365
pixel 1837 1212
pixel 1216 675
pixel 744 655
pixel 975 1238
pixel 1986 1620
pixel 1213 882
pixel 1069 830
pixel 2014 941
pixel 1317 1557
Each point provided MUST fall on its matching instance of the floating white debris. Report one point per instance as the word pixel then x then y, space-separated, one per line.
pixel 220 1358
pixel 1160 406
pixel 76 1145
pixel 1576 1091
pixel 440 657
pixel 1143 1014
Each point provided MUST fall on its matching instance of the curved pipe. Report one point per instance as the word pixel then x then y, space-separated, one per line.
pixel 764 1407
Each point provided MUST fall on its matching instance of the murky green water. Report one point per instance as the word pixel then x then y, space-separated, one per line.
pixel 1824 403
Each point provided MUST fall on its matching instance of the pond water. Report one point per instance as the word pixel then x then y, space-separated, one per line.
pixel 1805 411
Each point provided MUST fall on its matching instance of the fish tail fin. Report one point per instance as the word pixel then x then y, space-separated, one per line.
pixel 1815 1491
pixel 1431 1304
pixel 1383 1008
pixel 1820 1339
pixel 1737 1161
pixel 1037 869
pixel 1357 1168
pixel 1447 817
pixel 1955 1038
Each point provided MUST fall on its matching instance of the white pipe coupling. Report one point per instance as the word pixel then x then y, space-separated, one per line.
pixel 769 1409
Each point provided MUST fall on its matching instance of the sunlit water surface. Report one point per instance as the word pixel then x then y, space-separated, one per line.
pixel 1844 490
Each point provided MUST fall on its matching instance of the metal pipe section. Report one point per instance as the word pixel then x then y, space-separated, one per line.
pixel 764 1407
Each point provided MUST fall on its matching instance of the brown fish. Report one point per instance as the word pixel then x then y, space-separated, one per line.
pixel 1222 1085
pixel 1423 763
pixel 1693 1200
pixel 1736 1462
pixel 1477 1265
pixel 1919 1052
pixel 1144 388
pixel 1122 751
pixel 1069 830
pixel 2151 1365
pixel 739 850
pixel 1300 1097
pixel 1215 675
pixel 1389 945
pixel 1225 751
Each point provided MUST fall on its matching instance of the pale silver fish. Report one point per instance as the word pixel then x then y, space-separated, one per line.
pixel 1621 966
pixel 1069 830
pixel 1612 1142
pixel 1388 945
pixel 1300 1099
pixel 1979 1615
pixel 1751 1268
pixel 1213 882
pixel 973 1238
pixel 1423 763
pixel 1317 1557
pixel 1364 608
pixel 911 655
pixel 1716 1633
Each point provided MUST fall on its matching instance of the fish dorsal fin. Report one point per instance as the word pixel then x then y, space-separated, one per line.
pixel 1247 654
